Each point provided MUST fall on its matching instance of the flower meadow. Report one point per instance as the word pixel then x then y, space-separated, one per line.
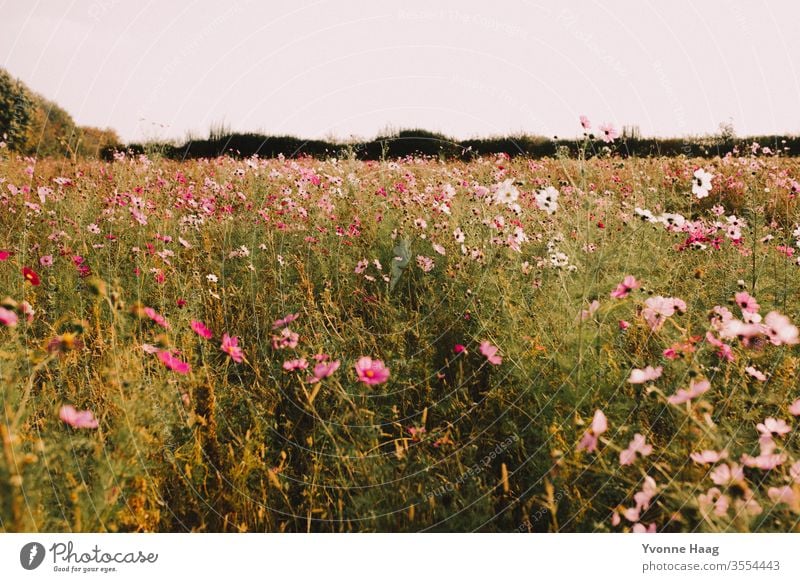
pixel 597 345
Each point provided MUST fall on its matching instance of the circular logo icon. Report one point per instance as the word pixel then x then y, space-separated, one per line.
pixel 31 555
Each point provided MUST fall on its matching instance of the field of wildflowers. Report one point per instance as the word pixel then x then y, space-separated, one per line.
pixel 402 345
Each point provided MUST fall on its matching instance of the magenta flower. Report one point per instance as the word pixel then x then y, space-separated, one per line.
pixel 76 418
pixel 8 317
pixel 459 348
pixel 649 374
pixel 173 362
pixel 371 371
pixel 490 351
pixel 322 370
pixel 629 283
pixel 230 345
pixel 200 329
pixel 591 437
pixel 156 317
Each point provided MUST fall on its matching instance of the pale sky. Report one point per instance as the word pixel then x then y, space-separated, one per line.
pixel 158 69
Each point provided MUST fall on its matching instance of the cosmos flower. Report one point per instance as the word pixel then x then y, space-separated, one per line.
pixel 637 445
pixel 31 276
pixel 230 345
pixel 585 123
pixel 701 184
pixel 649 374
pixel 629 283
pixel 608 133
pixel 591 437
pixel 371 371
pixel 174 363
pixel 490 352
pixel 696 388
pixel 200 329
pixel 8 317
pixel 295 365
pixel 323 370
pixel 76 418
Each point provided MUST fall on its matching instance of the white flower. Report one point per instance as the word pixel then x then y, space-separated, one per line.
pixel 212 278
pixel 506 193
pixel 547 199
pixel 701 183
pixel 458 234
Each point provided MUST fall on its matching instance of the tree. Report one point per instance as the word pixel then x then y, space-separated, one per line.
pixel 16 107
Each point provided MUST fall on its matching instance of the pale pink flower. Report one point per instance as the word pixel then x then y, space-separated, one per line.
pixel 200 329
pixel 746 302
pixel 755 373
pixel 46 261
pixel 8 317
pixel 77 419
pixel 585 123
pixel 713 498
pixel 696 388
pixel 794 408
pixel 371 371
pixel 286 339
pixel 637 445
pixel 590 438
pixel 649 374
pixel 727 474
pixel 779 330
pixel 629 283
pixel 642 528
pixel 230 345
pixel 708 456
pixel 587 313
pixel 772 426
pixel 794 472
pixel 608 133
pixel 658 308
pixel 785 494
pixel 490 352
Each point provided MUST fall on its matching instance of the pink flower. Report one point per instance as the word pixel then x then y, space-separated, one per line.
pixel 46 261
pixel 771 426
pixel 637 445
pixel 156 317
pixel 696 388
pixel 230 345
pixel 794 408
pixel 284 321
pixel 4 255
pixel 591 437
pixel 322 370
pixel 649 374
pixel 295 365
pixel 780 330
pixel 708 456
pixel 8 317
pixel 459 348
pixel 746 302
pixel 658 308
pixel 629 283
pixel 755 373
pixel 724 352
pixel 785 495
pixel 728 474
pixel 585 123
pixel 608 133
pixel 713 498
pixel 371 371
pixel 173 362
pixel 490 351
pixel 587 313
pixel 641 528
pixel 200 329
pixel 77 419
pixel 286 339
pixel 623 325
